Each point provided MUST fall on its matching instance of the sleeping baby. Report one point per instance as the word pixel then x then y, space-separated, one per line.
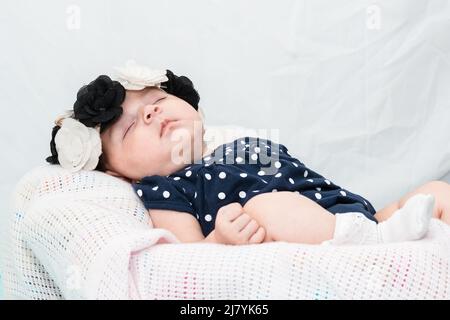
pixel 146 128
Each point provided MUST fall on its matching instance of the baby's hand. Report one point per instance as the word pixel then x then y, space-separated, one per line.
pixel 233 226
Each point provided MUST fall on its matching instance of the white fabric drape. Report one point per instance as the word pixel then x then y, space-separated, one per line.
pixel 87 236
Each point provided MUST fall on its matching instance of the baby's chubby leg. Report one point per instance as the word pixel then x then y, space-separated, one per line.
pixel 406 224
pixel 288 216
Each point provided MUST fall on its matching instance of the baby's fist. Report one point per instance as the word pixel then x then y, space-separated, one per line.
pixel 234 226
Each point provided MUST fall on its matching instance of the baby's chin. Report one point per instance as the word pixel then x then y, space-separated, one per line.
pixel 182 154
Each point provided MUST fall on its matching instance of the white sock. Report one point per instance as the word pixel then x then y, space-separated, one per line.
pixel 408 223
pixel 354 228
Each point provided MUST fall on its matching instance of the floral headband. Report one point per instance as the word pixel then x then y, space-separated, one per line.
pixel 76 143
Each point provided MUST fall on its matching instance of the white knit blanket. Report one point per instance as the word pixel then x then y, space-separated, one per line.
pixel 87 236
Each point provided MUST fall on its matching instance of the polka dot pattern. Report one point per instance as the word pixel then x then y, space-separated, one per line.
pixel 202 188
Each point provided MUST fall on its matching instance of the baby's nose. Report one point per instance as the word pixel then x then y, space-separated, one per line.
pixel 150 111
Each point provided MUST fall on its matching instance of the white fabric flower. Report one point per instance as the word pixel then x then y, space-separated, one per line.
pixel 78 146
pixel 137 77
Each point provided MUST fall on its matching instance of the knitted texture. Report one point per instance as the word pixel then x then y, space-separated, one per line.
pixel 88 236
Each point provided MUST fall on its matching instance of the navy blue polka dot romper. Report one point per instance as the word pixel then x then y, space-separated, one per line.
pixel 238 171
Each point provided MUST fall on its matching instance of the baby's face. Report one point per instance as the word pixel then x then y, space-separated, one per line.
pixel 155 135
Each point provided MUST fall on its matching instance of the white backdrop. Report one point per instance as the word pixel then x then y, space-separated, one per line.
pixel 360 90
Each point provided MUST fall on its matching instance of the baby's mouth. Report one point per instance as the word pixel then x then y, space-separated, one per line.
pixel 164 125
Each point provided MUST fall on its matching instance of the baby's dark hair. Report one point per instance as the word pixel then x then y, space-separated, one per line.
pixel 100 104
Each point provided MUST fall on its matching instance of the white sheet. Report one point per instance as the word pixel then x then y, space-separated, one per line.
pixel 86 236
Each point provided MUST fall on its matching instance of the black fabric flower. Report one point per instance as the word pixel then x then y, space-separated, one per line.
pixel 181 87
pixel 99 102
pixel 53 159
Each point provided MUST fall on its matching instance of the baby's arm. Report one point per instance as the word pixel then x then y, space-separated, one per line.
pixel 182 224
pixel 232 226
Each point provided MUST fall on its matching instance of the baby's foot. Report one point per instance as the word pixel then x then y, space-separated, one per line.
pixel 409 222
